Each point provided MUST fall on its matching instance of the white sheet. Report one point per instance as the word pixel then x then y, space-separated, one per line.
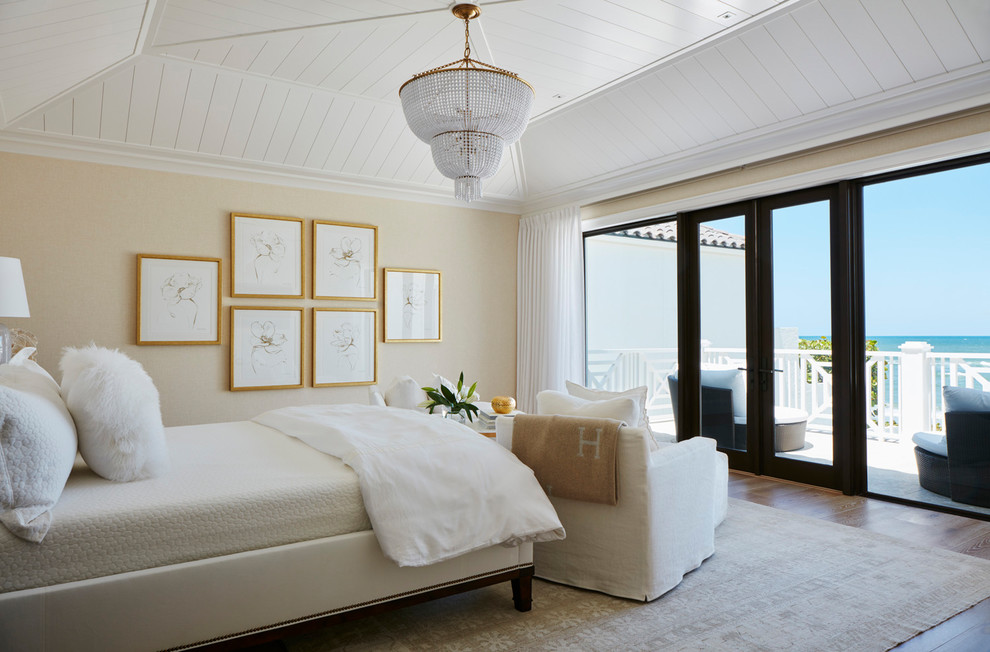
pixel 433 489
pixel 233 487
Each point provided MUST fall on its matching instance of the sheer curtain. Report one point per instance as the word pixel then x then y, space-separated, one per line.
pixel 550 331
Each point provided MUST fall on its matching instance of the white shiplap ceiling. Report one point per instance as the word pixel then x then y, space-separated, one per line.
pixel 629 92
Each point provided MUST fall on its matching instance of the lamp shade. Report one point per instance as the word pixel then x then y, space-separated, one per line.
pixel 13 298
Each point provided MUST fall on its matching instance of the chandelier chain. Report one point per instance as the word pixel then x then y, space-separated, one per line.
pixel 467 39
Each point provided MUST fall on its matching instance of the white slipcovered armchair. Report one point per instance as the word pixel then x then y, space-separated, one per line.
pixel 670 499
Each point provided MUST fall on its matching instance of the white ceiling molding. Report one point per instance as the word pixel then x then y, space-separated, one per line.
pixel 189 163
pixel 948 149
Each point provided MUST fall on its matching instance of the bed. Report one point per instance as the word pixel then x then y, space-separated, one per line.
pixel 250 532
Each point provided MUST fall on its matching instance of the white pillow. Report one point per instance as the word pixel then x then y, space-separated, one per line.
pixel 638 393
pixel 622 408
pixel 115 406
pixel 404 392
pixel 37 447
pixel 375 396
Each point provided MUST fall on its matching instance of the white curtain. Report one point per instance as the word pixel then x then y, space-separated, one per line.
pixel 550 331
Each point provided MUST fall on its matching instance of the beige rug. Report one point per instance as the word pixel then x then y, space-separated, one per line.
pixel 777 581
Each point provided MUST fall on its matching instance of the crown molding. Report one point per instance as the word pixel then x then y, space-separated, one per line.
pixel 949 149
pixel 136 156
pixel 963 90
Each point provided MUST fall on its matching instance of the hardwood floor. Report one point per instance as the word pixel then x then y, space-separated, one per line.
pixel 966 632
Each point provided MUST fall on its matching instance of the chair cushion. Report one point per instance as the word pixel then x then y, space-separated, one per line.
pixel 965 399
pixel 727 377
pixel 932 442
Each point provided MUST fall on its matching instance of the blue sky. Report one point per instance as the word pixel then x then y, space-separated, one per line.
pixel 927 258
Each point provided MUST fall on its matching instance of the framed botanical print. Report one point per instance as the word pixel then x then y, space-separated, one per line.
pixel 344 346
pixel 345 261
pixel 412 305
pixel 266 348
pixel 266 255
pixel 178 300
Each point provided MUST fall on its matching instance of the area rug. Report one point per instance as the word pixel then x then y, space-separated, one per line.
pixel 777 581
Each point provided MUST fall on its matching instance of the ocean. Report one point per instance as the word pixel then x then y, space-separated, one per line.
pixel 940 343
pixel 972 344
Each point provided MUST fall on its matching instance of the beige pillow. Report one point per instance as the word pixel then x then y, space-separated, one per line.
pixel 622 408
pixel 638 393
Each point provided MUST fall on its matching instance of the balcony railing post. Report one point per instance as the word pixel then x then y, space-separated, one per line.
pixel 915 386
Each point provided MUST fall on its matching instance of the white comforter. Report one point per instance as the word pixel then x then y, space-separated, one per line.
pixel 433 489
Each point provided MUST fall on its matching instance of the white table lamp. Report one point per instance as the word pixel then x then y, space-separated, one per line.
pixel 13 300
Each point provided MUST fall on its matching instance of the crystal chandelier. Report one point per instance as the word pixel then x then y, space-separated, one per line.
pixel 467 111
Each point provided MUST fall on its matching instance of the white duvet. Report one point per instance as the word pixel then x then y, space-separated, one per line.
pixel 433 489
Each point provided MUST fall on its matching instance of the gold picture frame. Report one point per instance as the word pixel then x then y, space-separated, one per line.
pixel 267 256
pixel 345 261
pixel 178 300
pixel 413 299
pixel 266 347
pixel 345 347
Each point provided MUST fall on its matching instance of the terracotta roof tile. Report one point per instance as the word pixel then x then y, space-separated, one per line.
pixel 667 231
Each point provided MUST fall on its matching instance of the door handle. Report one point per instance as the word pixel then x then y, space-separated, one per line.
pixel 762 371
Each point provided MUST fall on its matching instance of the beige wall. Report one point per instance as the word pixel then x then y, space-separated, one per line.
pixel 77 228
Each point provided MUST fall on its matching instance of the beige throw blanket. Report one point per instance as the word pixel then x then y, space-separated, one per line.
pixel 572 457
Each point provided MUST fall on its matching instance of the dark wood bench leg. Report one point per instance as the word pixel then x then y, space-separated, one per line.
pixel 522 590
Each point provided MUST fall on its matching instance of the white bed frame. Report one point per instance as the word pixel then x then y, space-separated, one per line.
pixel 246 598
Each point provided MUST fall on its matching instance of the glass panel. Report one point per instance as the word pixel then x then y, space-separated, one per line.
pixel 722 260
pixel 928 327
pixel 802 335
pixel 631 303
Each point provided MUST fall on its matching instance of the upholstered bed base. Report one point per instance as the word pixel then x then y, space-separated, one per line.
pixel 214 601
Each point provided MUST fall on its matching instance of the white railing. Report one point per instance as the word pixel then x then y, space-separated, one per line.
pixel 958 370
pixel 903 389
pixel 619 369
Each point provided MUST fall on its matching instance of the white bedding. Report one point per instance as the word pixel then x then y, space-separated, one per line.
pixel 433 489
pixel 232 487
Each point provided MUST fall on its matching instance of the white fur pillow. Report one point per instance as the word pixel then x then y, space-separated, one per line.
pixel 115 406
pixel 37 447
pixel 621 408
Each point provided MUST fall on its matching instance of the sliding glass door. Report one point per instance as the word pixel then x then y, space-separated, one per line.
pixel 802 350
pixel 816 335
pixel 926 239
pixel 760 356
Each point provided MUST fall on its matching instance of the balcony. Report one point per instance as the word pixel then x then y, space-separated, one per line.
pixel 904 396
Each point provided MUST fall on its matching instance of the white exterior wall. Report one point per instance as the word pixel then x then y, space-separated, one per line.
pixel 631 287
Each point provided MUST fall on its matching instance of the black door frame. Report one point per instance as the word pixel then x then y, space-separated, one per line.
pixel 849 470
pixel 839 474
pixel 689 322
